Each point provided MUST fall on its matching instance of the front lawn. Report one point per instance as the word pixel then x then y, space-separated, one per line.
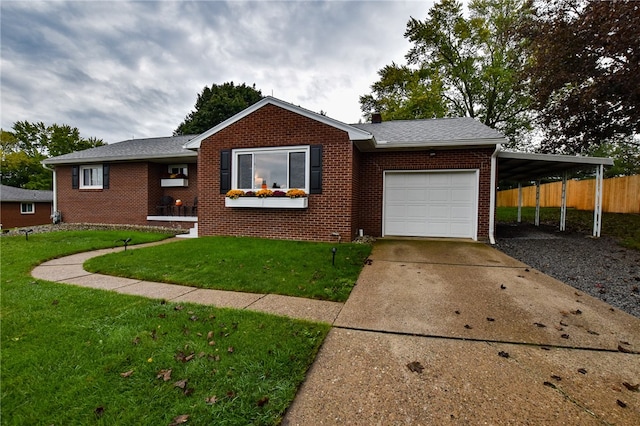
pixel 292 268
pixel 623 227
pixel 73 355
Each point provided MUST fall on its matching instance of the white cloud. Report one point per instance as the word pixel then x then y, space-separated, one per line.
pixel 122 69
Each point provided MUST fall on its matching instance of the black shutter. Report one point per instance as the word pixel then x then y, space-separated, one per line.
pixel 225 171
pixel 315 185
pixel 75 177
pixel 105 176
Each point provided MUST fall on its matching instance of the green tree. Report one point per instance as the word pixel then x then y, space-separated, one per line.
pixel 217 103
pixel 462 67
pixel 24 149
pixel 584 74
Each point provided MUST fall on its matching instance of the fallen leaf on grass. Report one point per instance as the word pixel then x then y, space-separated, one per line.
pixel 179 420
pixel 99 411
pixel 211 400
pixel 263 401
pixel 127 374
pixel 165 375
pixel 182 384
pixel 180 356
pixel 210 335
pixel 55 302
pixel 179 308
pixel 230 349
pixel 136 341
pixel 632 388
pixel 415 367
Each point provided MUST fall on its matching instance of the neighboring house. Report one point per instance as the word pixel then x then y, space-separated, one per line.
pixel 24 207
pixel 424 178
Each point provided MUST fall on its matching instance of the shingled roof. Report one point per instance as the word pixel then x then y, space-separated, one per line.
pixel 129 150
pixel 427 133
pixel 20 195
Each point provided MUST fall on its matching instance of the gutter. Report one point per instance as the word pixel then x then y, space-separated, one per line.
pixel 54 207
pixel 492 196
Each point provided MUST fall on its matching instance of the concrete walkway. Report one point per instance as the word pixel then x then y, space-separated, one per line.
pixel 69 270
pixel 442 332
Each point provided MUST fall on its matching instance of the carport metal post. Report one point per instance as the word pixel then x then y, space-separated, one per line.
pixel 519 202
pixel 563 203
pixel 597 210
pixel 537 221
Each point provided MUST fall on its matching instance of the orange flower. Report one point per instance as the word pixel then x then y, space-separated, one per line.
pixel 235 193
pixel 296 193
pixel 264 193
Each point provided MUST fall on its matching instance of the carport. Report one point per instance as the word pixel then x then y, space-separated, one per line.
pixel 528 167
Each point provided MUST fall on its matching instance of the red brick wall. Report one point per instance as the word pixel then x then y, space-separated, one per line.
pixel 10 216
pixel 375 164
pixel 272 126
pixel 134 192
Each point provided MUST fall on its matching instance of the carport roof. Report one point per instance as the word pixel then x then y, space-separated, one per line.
pixel 524 166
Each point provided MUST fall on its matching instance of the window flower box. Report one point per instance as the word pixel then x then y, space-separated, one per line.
pixel 174 182
pixel 267 202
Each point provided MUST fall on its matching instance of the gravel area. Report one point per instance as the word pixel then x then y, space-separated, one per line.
pixel 596 266
pixel 39 229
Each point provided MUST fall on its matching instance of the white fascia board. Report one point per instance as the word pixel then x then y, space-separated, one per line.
pixel 556 158
pixel 355 134
pixel 53 161
pixel 439 144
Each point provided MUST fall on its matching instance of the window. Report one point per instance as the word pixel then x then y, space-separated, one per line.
pixel 273 168
pixel 91 177
pixel 27 208
pixel 178 169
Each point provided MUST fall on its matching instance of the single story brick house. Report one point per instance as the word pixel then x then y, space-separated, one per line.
pixel 426 178
pixel 24 207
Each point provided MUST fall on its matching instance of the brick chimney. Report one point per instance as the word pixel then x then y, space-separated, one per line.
pixel 376 117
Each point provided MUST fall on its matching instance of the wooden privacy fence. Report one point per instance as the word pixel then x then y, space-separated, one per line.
pixel 619 195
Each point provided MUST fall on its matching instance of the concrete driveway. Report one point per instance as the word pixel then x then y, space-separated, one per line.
pixel 449 332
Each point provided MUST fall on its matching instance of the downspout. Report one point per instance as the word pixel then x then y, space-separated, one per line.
pixel 492 196
pixel 55 189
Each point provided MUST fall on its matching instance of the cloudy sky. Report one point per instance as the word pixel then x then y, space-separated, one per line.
pixel 117 70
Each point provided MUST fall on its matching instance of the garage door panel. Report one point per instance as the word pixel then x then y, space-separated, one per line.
pixel 416 195
pixel 438 212
pixel 462 195
pixel 458 213
pixel 437 204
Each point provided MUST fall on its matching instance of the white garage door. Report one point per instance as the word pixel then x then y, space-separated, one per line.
pixel 431 204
